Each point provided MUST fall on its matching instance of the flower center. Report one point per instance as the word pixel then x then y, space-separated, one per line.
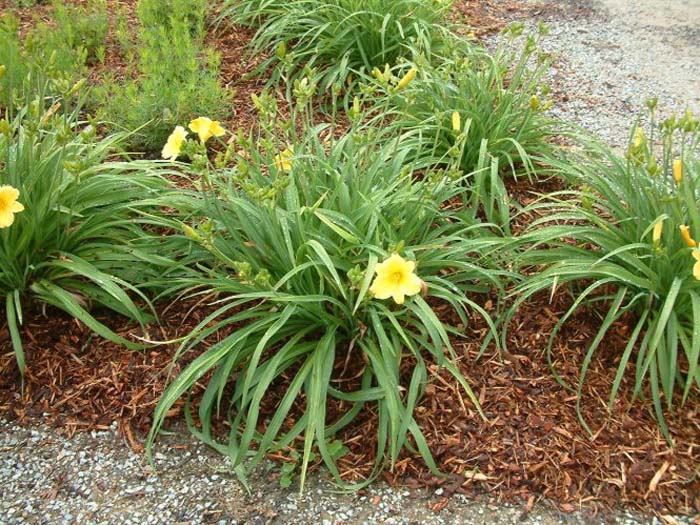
pixel 397 277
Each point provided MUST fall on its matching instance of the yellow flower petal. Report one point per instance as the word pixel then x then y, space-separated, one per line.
pixel 9 205
pixel 173 145
pixel 206 128
pixel 696 270
pixel 395 279
pixel 696 254
pixel 283 159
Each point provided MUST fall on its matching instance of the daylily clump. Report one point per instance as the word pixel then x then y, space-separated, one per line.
pixel 174 143
pixel 9 205
pixel 396 278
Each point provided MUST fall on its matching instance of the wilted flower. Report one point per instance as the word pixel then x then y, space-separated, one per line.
pixel 174 143
pixel 395 278
pixel 206 128
pixel 283 160
pixel 9 205
pixel 685 233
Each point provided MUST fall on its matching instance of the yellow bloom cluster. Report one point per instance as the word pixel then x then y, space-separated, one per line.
pixel 204 127
pixel 9 205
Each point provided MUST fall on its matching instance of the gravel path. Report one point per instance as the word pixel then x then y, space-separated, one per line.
pixel 615 54
pixel 611 58
pixel 95 479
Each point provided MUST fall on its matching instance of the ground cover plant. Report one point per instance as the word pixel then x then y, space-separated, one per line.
pixel 68 218
pixel 339 37
pixel 325 254
pixel 624 242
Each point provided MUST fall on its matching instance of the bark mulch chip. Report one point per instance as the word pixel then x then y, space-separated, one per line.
pixel 531 444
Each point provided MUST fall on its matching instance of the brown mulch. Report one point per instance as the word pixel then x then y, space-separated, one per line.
pixel 531 444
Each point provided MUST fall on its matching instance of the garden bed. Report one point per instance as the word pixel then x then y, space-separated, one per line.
pixel 530 443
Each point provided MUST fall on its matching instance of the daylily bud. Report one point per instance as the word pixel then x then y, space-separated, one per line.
pixel 456 122
pixel 685 233
pixel 406 80
pixel 656 234
pixel 190 232
pixel 376 73
pixel 76 87
pixel 534 102
pixel 678 170
pixel 2 70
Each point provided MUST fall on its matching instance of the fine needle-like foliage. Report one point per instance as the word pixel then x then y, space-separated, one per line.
pixel 326 254
pixel 67 218
pixel 626 241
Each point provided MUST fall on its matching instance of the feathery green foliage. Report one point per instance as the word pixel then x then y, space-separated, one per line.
pixel 177 76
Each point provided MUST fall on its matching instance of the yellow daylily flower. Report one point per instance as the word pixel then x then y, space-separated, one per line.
pixel 696 266
pixel 406 80
pixel 283 160
pixel 9 205
pixel 395 278
pixel 174 143
pixel 206 128
pixel 685 233
pixel 678 170
pixel 456 122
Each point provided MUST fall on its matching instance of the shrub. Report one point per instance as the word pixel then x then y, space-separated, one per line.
pixel 77 34
pixel 288 242
pixel 177 79
pixel 11 57
pixel 338 36
pixel 622 238
pixel 68 244
pixel 54 55
pixel 473 104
